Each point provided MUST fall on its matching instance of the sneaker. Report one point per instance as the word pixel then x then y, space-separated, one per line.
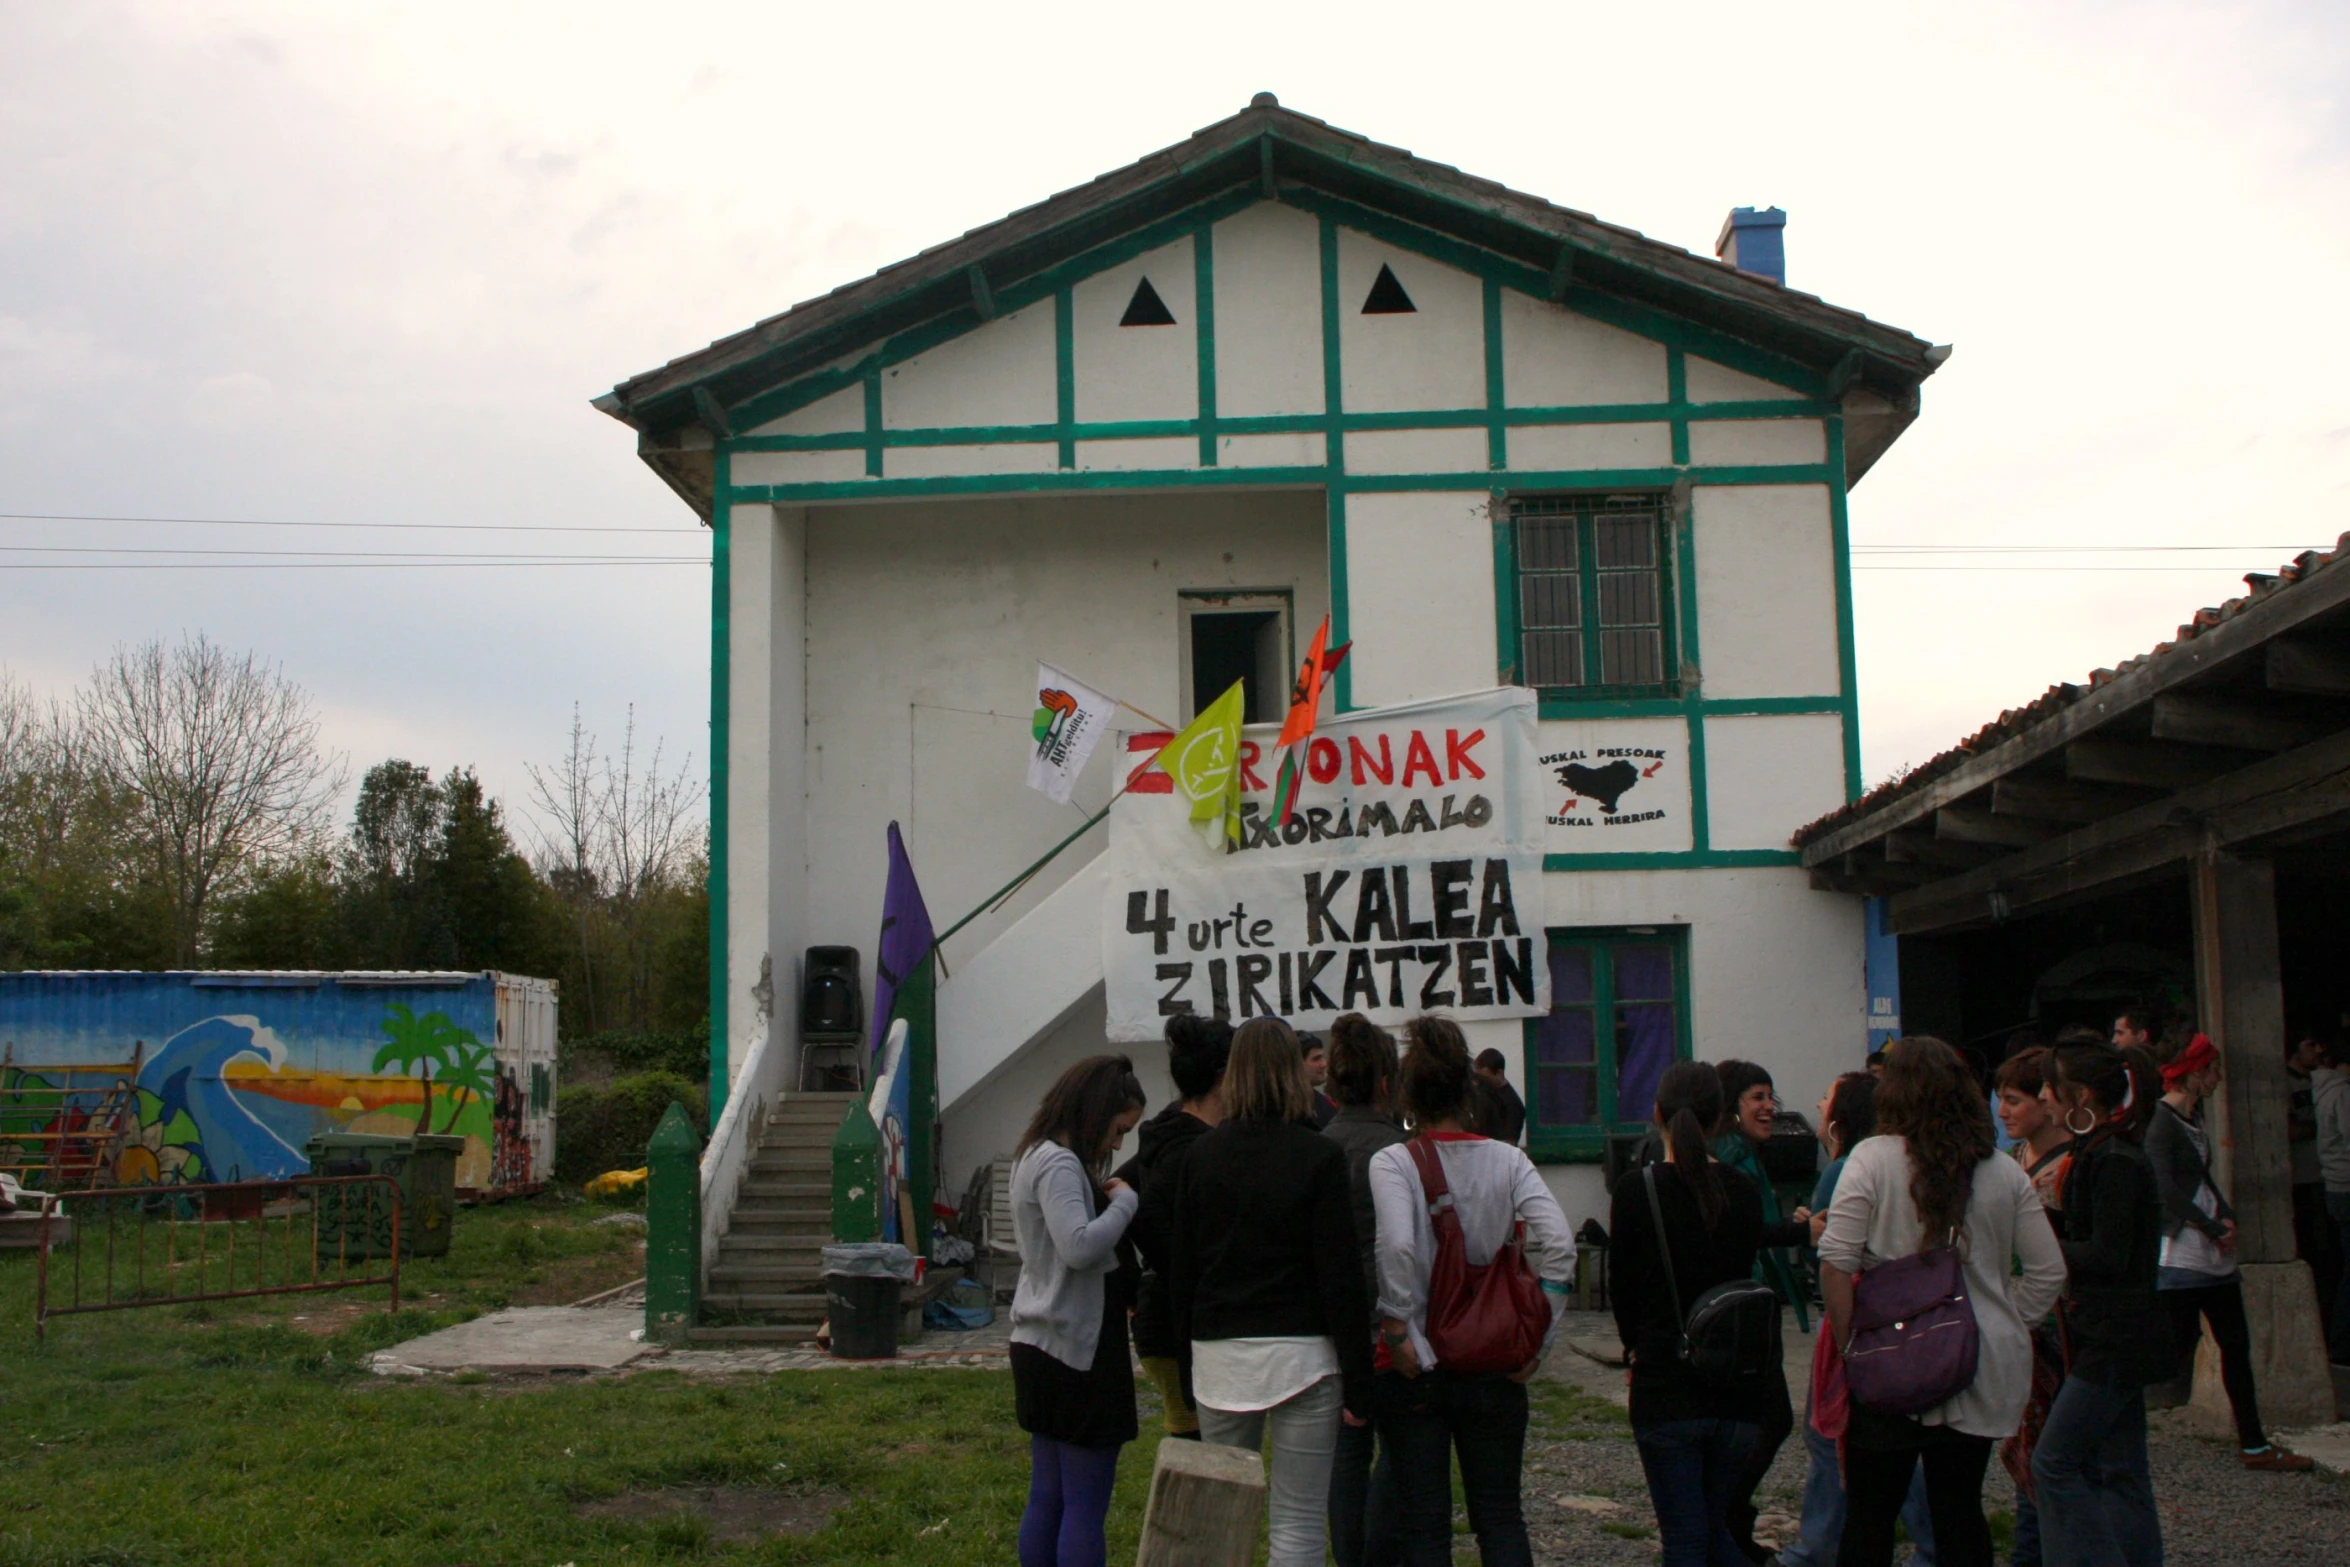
pixel 2275 1460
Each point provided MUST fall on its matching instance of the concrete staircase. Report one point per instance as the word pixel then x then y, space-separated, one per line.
pixel 769 1271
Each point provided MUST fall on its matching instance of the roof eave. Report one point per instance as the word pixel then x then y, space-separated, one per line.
pixel 1880 367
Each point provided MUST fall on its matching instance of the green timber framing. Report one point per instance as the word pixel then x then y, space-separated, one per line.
pixel 1291 161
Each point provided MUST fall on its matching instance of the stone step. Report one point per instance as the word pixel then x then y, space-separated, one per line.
pixel 787 1186
pixel 811 1220
pixel 735 1246
pixel 792 1161
pixel 793 1333
pixel 767 1301
pixel 769 1271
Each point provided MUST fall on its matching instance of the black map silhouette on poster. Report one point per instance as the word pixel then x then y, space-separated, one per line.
pixel 1606 784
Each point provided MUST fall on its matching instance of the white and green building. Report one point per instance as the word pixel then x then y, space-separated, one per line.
pixel 1151 430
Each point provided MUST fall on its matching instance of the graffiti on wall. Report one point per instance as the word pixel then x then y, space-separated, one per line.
pixel 236 1095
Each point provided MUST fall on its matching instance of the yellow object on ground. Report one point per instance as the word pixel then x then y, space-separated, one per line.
pixel 613 1183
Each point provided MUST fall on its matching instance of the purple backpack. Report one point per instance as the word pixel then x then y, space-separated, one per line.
pixel 1914 1341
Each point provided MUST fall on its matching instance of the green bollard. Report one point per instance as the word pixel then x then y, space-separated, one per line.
pixel 856 1178
pixel 673 1228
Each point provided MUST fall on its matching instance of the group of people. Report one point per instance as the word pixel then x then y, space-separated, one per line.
pixel 1292 1274
pixel 1290 1243
pixel 2082 1265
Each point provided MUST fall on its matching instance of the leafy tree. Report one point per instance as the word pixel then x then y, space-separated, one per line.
pixel 288 915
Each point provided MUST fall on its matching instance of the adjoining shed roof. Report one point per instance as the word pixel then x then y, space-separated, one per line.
pixel 2235 731
pixel 1273 148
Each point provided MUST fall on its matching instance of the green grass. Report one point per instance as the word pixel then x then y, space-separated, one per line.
pixel 231 1432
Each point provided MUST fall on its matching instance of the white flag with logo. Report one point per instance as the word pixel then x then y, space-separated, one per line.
pixel 1070 718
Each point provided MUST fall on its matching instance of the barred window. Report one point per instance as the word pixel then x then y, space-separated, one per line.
pixel 1591 594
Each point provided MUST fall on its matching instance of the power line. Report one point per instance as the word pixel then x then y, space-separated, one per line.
pixel 476 564
pixel 264 522
pixel 113 549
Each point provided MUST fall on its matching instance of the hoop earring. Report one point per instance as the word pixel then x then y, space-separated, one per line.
pixel 2079 1131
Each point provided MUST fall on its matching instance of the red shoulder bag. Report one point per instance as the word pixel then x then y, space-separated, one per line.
pixel 1484 1319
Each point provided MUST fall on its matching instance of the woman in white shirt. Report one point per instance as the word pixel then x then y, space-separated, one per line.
pixel 1932 1170
pixel 1427 1413
pixel 1072 1382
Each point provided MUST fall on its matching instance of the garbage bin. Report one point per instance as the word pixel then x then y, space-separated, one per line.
pixel 356 1221
pixel 862 1283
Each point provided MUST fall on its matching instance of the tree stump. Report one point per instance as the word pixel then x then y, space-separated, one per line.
pixel 1206 1505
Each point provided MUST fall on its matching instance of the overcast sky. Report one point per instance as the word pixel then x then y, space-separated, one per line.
pixel 366 263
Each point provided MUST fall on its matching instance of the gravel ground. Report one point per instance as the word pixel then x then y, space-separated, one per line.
pixel 1587 1503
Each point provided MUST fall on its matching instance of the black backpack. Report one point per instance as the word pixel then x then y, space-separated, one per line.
pixel 1729 1334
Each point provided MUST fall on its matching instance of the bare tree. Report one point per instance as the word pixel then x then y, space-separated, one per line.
pixel 569 797
pixel 221 754
pixel 615 838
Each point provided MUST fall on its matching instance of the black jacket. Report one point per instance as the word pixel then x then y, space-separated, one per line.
pixel 1263 1246
pixel 2111 1231
pixel 1647 1319
pixel 1362 1132
pixel 1501 1114
pixel 1162 1141
pixel 2180 1173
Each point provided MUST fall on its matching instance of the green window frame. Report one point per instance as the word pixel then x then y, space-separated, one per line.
pixel 1586 595
pixel 1619 1014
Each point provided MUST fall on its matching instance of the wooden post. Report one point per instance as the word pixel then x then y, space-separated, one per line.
pixel 2240 992
pixel 1206 1505
pixel 673 1228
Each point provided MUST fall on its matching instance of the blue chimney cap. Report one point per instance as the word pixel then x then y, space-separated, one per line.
pixel 1753 239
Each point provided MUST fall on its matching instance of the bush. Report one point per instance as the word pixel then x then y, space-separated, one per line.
pixel 620 1051
pixel 606 1127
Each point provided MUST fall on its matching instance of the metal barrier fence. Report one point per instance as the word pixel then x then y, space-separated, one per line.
pixel 138 1246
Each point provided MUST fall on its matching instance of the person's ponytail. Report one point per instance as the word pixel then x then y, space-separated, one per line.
pixel 1689 1103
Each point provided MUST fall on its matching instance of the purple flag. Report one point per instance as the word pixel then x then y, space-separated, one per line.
pixel 905 938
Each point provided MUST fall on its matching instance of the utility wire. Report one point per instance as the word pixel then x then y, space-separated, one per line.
pixel 261 522
pixel 112 549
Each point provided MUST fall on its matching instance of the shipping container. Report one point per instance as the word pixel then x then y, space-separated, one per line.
pixel 114 1077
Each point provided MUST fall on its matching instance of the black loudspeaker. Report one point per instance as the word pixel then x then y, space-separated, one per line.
pixel 832 996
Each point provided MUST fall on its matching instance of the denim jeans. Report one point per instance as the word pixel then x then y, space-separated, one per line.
pixel 2338 1332
pixel 1427 1420
pixel 1816 1543
pixel 1363 1502
pixel 2090 1469
pixel 1303 1431
pixel 2027 1532
pixel 1693 1466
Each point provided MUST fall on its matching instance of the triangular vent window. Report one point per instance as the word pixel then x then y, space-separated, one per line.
pixel 1387 297
pixel 1146 308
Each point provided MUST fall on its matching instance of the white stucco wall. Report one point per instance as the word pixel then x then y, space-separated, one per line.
pixel 1420 594
pixel 1268 290
pixel 926 621
pixel 1766 589
pixel 1137 372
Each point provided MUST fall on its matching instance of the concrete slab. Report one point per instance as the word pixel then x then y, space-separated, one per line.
pixel 527 1338
pixel 2328 1444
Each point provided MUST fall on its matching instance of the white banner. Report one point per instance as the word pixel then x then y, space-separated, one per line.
pixel 1408 880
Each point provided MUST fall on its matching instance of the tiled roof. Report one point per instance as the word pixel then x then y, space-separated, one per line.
pixel 2263 586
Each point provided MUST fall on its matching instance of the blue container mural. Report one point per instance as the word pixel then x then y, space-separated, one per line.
pixel 129 1078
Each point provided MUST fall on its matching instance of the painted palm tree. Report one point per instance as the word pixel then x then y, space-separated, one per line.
pixel 443 1051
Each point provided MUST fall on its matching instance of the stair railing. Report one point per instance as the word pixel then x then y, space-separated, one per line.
pixel 735 1139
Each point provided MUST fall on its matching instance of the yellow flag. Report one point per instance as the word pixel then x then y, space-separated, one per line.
pixel 1204 761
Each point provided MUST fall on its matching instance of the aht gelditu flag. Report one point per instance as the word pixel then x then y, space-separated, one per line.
pixel 1070 718
pixel 1305 700
pixel 1204 761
